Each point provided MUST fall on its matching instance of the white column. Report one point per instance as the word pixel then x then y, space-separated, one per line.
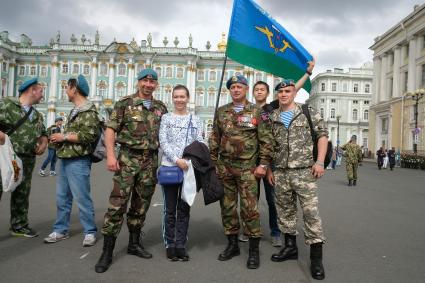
pixel 419 47
pixel 376 79
pixel 130 74
pixel 191 83
pixel 270 82
pixel 383 79
pixel 93 89
pixel 12 67
pixel 411 78
pixel 51 114
pixel 111 79
pixel 396 72
pixel 53 79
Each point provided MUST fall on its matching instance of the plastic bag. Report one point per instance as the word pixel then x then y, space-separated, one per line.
pixel 189 185
pixel 10 167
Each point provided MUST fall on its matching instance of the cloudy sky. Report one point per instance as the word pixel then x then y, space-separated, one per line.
pixel 337 32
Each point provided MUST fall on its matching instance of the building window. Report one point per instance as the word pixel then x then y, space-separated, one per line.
pixel 200 76
pixel 406 78
pixel 406 54
pixel 120 89
pixel 345 87
pixel 356 88
pixel 226 75
pixel 333 100
pixel 43 72
pixel 122 69
pixel 423 75
pixel 64 68
pixel 355 114
pixel 169 72
pixel 158 71
pixel 64 85
pixel 179 74
pixel 366 102
pixel 323 86
pixel 213 76
pixel 167 94
pixel 199 99
pixel 322 112
pixel 224 97
pixel 384 126
pixel 103 70
pixel 22 70
pixel 44 87
pixel 75 69
pixel 355 102
pixel 258 77
pixel 322 100
pixel 32 71
pixel 211 97
pixel 366 115
pixel 4 67
pixel 333 86
pixel 367 88
pixel 102 89
pixel 333 113
pixel 86 70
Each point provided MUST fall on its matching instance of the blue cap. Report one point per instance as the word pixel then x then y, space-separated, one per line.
pixel 284 83
pixel 147 73
pixel 83 85
pixel 27 84
pixel 236 79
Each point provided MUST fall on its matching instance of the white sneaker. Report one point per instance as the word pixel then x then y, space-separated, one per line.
pixel 55 237
pixel 42 173
pixel 243 238
pixel 89 240
pixel 52 173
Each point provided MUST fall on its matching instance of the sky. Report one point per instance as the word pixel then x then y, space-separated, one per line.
pixel 338 33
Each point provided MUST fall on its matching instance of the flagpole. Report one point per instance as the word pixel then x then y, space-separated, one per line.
pixel 219 89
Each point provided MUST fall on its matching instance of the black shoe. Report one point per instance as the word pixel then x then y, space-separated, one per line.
pixel 105 259
pixel 135 246
pixel 182 254
pixel 26 232
pixel 171 254
pixel 354 182
pixel 316 267
pixel 349 183
pixel 254 253
pixel 289 251
pixel 232 248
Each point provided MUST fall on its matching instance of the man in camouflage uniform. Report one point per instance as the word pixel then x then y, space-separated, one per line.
pixel 29 140
pixel 353 156
pixel 135 120
pixel 74 147
pixel 295 175
pixel 240 137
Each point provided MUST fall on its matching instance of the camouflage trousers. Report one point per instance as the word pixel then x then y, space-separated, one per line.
pixel 19 199
pixel 290 185
pixel 351 170
pixel 136 179
pixel 239 183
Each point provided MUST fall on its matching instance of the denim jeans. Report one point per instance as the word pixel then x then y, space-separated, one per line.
pixel 270 198
pixel 51 157
pixel 73 182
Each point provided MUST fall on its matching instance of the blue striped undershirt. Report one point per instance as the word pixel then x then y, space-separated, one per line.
pixel 238 107
pixel 147 103
pixel 286 117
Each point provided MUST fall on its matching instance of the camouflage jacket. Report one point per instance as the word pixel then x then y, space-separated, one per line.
pixel 87 127
pixel 51 130
pixel 25 138
pixel 353 153
pixel 136 126
pixel 293 147
pixel 240 139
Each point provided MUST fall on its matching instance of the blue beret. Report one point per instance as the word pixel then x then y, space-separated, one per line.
pixel 147 73
pixel 27 84
pixel 284 83
pixel 83 85
pixel 236 79
pixel 58 119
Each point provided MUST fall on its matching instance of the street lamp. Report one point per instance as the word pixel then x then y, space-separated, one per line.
pixel 338 117
pixel 416 96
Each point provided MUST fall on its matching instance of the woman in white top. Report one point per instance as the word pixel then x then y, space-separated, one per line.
pixel 178 129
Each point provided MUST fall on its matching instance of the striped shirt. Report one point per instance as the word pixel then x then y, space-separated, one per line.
pixel 286 117
pixel 238 107
pixel 147 103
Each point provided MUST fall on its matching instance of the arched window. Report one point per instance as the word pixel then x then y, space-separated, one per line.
pixel 158 71
pixel 333 113
pixel 122 69
pixel 322 112
pixel 224 96
pixel 43 72
pixel 258 77
pixel 103 70
pixel 199 98
pixel 64 68
pixel 355 114
pixel 367 88
pixel 169 72
pixel 323 87
pixel 200 75
pixel 86 69
pixel 120 89
pixel 64 85
pixel 167 99
pixel 75 69
pixel 213 76
pixel 211 97
pixel 366 115
pixel 179 74
pixel 21 70
pixel 33 71
pixel 102 89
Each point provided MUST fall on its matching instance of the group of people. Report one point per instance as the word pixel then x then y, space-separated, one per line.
pixel 385 157
pixel 249 142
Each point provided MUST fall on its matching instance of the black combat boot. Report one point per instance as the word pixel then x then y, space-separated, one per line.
pixel 354 182
pixel 349 183
pixel 289 251
pixel 254 253
pixel 232 248
pixel 135 246
pixel 316 267
pixel 105 259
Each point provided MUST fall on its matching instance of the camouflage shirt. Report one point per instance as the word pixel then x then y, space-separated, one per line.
pixel 86 125
pixel 136 126
pixel 293 146
pixel 239 139
pixel 52 130
pixel 25 138
pixel 353 153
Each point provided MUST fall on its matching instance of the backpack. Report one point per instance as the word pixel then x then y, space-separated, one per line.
pixel 328 155
pixel 99 149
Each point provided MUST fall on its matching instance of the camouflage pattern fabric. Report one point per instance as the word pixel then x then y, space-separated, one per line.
pixel 135 125
pixel 25 138
pixel 290 185
pixel 298 153
pixel 353 155
pixel 240 181
pixel 137 178
pixel 50 131
pixel 351 170
pixel 87 127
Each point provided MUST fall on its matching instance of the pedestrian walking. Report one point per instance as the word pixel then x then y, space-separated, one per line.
pixel 353 157
pixel 296 174
pixel 392 158
pixel 334 158
pixel 51 155
pixel 380 154
pixel 25 127
pixel 134 125
pixel 385 163
pixel 74 147
pixel 240 139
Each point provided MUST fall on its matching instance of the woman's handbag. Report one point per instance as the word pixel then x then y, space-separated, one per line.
pixel 171 175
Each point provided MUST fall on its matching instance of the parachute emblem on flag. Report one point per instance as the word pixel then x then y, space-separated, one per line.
pixel 276 44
